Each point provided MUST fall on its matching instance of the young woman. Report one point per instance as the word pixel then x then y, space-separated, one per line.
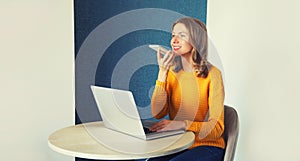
pixel 190 90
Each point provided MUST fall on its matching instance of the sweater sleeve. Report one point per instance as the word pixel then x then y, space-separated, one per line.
pixel 213 126
pixel 159 101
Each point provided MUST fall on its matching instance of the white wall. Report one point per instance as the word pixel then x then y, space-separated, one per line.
pixel 36 77
pixel 258 42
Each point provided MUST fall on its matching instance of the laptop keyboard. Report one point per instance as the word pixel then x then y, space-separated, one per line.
pixel 147 130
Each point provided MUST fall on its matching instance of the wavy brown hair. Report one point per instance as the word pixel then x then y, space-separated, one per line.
pixel 199 41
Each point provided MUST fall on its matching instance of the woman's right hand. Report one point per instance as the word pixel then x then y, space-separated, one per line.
pixel 164 62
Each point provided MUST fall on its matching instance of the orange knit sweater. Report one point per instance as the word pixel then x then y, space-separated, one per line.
pixel 198 101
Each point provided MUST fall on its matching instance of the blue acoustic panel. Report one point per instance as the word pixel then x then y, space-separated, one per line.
pixel 111 47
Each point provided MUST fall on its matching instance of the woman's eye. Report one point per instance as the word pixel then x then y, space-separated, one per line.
pixel 182 35
pixel 179 35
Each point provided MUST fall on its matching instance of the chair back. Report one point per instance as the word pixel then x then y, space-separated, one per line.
pixel 231 132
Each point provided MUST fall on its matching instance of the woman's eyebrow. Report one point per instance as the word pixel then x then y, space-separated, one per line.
pixel 181 32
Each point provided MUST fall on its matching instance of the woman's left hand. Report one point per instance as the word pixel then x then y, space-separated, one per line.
pixel 167 125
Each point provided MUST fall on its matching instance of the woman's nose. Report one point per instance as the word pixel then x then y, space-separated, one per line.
pixel 175 40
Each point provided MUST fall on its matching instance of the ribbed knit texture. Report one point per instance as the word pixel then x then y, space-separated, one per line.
pixel 197 101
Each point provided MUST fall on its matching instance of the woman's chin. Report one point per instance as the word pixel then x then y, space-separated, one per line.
pixel 176 53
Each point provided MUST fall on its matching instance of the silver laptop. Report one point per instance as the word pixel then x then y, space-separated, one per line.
pixel 119 112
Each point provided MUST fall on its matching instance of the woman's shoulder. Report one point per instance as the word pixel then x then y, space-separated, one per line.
pixel 214 71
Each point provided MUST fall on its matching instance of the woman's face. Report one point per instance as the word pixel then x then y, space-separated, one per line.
pixel 180 40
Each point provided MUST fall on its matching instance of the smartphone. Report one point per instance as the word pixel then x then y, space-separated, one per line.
pixel 156 47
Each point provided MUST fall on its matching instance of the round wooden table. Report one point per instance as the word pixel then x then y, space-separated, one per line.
pixel 94 141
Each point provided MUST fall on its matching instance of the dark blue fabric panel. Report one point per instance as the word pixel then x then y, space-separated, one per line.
pixel 90 13
pixel 110 71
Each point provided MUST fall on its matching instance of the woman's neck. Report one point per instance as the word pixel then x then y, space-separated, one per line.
pixel 187 63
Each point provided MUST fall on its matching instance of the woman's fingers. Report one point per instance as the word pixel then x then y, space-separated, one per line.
pixel 160 125
pixel 159 56
pixel 166 61
pixel 166 125
pixel 170 58
pixel 157 126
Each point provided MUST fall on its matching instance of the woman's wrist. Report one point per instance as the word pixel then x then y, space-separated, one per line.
pixel 184 124
pixel 162 75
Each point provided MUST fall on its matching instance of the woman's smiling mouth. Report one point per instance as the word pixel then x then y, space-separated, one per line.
pixel 175 48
